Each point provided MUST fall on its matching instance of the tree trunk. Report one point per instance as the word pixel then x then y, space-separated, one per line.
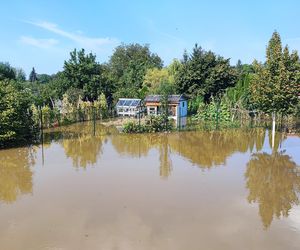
pixel 52 102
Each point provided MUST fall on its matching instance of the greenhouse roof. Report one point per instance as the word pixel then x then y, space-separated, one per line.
pixel 128 102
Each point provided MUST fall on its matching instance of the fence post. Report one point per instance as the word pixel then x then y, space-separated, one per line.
pixel 217 117
pixel 41 118
pixel 94 121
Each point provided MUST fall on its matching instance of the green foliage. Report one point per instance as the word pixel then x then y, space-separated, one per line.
pixel 73 95
pixel 215 113
pixel 204 73
pixel 43 78
pixel 42 94
pixel 128 66
pixel 7 72
pixel 101 106
pixel 275 86
pixel 51 117
pixel 16 121
pixel 239 95
pixel 35 115
pixel 194 103
pixel 154 77
pixel 20 75
pixel 158 124
pixel 165 90
pixel 133 127
pixel 83 72
pixel 151 125
pixel 297 111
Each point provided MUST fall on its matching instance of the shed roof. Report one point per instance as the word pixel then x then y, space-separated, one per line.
pixel 171 98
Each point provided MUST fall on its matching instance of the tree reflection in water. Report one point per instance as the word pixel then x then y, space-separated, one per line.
pixel 273 181
pixel 204 149
pixel 209 149
pixel 165 166
pixel 80 143
pixel 16 173
pixel 138 145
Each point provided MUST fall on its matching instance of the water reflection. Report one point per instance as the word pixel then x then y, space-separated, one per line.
pixel 16 173
pixel 165 166
pixel 80 142
pixel 273 181
pixel 208 149
pixel 138 145
pixel 204 149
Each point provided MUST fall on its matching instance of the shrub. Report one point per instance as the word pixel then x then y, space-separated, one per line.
pixel 16 120
pixel 151 124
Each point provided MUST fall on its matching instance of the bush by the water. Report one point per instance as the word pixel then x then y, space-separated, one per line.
pixel 214 114
pixel 151 124
pixel 70 112
pixel 16 123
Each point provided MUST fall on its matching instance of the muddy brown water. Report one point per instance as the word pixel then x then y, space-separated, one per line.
pixel 187 190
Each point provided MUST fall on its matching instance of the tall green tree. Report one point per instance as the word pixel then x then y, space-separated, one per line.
pixel 82 71
pixel 276 84
pixel 128 66
pixel 204 73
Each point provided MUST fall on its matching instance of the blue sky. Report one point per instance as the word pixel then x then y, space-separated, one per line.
pixel 41 34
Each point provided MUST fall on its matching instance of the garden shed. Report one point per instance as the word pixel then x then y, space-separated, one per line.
pixel 177 105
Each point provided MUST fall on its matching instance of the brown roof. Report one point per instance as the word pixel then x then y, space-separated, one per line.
pixel 171 98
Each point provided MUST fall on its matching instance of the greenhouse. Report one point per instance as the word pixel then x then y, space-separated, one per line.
pixel 129 107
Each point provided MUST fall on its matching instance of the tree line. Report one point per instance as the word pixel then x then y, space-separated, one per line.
pixel 207 79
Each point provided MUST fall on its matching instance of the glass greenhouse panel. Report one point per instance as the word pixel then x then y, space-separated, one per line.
pixel 120 103
pixel 127 103
pixel 135 103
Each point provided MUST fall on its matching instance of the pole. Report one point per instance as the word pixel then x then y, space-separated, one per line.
pixel 42 133
pixel 139 110
pixel 217 117
pixel 94 121
pixel 273 129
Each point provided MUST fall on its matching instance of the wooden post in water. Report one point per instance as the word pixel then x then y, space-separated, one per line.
pixel 139 110
pixel 94 121
pixel 41 132
pixel 217 117
pixel 273 129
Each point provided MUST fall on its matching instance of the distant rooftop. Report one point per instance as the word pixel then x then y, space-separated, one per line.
pixel 171 98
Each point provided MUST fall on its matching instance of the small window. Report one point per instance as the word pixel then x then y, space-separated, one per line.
pixel 182 104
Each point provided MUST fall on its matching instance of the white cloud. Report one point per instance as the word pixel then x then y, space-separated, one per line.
pixel 40 43
pixel 91 43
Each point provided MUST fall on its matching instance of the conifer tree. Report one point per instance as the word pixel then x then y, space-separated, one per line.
pixel 32 76
pixel 275 85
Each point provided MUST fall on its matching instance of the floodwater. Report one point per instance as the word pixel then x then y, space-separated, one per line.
pixel 186 190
